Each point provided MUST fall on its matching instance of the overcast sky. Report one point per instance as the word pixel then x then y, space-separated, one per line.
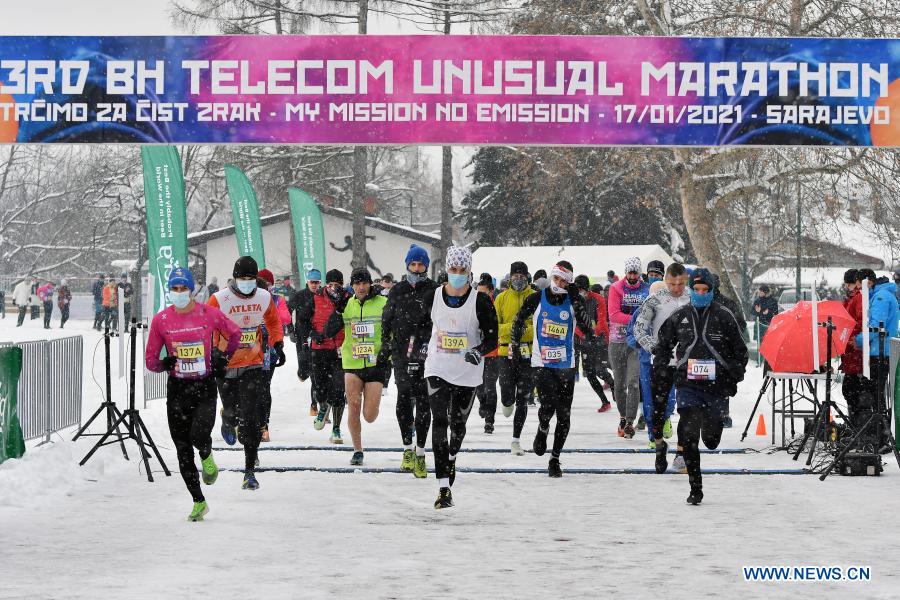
pixel 85 17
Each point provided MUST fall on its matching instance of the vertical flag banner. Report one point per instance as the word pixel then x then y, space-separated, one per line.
pixel 245 213
pixel 12 443
pixel 309 233
pixel 166 217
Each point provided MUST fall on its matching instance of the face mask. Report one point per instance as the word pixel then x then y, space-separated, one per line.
pixel 654 279
pixel 414 278
pixel 701 300
pixel 458 281
pixel 180 299
pixel 246 286
pixel 557 290
pixel 518 284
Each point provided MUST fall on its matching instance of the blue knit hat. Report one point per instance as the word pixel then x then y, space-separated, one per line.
pixel 181 276
pixel 417 253
pixel 314 275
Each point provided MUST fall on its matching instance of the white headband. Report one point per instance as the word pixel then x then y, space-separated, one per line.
pixel 563 273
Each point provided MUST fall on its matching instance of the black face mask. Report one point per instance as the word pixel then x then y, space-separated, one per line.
pixel 518 284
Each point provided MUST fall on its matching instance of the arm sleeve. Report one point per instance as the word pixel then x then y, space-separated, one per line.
pixel 229 328
pixel 303 312
pixel 644 323
pixel 524 316
pixel 582 319
pixel 334 325
pixel 615 306
pixel 487 322
pixel 155 344
pixel 273 324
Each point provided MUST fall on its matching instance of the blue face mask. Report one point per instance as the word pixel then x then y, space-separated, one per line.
pixel 458 281
pixel 414 278
pixel 701 300
pixel 180 299
pixel 653 280
pixel 246 286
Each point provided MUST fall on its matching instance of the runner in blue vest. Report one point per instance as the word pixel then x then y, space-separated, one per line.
pixel 555 311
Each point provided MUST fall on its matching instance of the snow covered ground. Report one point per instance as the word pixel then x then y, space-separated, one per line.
pixel 104 531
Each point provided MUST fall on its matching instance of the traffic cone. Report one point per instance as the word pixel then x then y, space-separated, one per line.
pixel 761 426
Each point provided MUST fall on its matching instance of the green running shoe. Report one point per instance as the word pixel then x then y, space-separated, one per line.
pixel 409 461
pixel 651 445
pixel 421 469
pixel 319 422
pixel 210 470
pixel 200 509
pixel 667 429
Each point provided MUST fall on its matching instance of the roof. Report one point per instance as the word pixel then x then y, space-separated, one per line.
pixel 833 277
pixel 593 261
pixel 201 237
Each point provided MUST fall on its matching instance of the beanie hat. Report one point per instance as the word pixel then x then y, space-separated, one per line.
pixel 518 268
pixel 360 275
pixel 703 275
pixel 245 266
pixel 486 280
pixel 460 257
pixel 314 275
pixel 764 288
pixel 850 276
pixel 334 276
pixel 540 273
pixel 656 266
pixel 417 253
pixel 583 282
pixel 181 276
pixel 633 265
pixel 267 276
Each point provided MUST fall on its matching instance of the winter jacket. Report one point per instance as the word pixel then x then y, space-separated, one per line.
pixel 22 293
pixel 508 304
pixel 595 305
pixel 852 360
pixel 45 292
pixel 97 290
pixel 713 334
pixel 406 326
pixel 64 296
pixel 283 313
pixel 882 309
pixel 624 300
pixel 312 317
pixel 653 313
pixel 764 309
pixel 354 317
pixel 110 296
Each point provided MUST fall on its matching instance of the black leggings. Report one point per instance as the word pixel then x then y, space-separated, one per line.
pixel 487 391
pixel 267 397
pixel 696 423
pixel 412 393
pixel 64 314
pixel 327 378
pixel 242 399
pixel 556 388
pixel 191 409
pixel 450 408
pixel 48 312
pixel 592 373
pixel 516 387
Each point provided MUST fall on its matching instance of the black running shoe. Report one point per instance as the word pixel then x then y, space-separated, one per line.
pixel 540 442
pixel 452 476
pixel 662 461
pixel 553 469
pixel 444 499
pixel 696 496
pixel 489 428
pixel 641 424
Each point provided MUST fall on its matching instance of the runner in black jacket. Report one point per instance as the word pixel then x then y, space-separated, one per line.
pixel 303 302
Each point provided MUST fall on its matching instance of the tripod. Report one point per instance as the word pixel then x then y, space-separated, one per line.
pixel 131 417
pixel 878 424
pixel 113 413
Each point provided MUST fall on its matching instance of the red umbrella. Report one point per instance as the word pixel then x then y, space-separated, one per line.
pixel 788 343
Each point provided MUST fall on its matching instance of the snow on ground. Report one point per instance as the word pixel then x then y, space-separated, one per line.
pixel 103 531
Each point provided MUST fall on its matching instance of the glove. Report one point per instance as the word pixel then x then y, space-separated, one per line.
pixel 573 291
pixel 219 362
pixel 304 360
pixel 316 336
pixel 383 358
pixel 279 350
pixel 414 369
pixel 169 362
pixel 473 356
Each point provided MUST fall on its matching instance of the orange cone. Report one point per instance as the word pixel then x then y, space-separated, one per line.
pixel 761 426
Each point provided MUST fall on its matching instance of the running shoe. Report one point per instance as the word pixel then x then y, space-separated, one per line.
pixel 696 496
pixel 319 421
pixel 256 462
pixel 250 482
pixel 553 469
pixel 628 431
pixel 508 410
pixel 313 411
pixel 421 469
pixel 452 476
pixel 641 424
pixel 667 428
pixel 651 445
pixel 336 436
pixel 662 461
pixel 409 461
pixel 516 449
pixel 678 464
pixel 200 509
pixel 444 499
pixel 229 433
pixel 621 430
pixel 210 470
pixel 357 458
pixel 265 434
pixel 489 428
pixel 540 442
pixel 605 407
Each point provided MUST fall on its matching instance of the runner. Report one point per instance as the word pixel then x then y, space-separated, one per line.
pixel 265 280
pixel 487 391
pixel 516 377
pixel 185 329
pixel 406 328
pixel 464 329
pixel 243 386
pixel 324 353
pixel 305 300
pixel 595 307
pixel 364 376
pixel 710 360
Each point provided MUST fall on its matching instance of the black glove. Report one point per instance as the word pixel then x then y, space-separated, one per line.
pixel 169 362
pixel 573 291
pixel 279 350
pixel 304 360
pixel 316 336
pixel 473 356
pixel 384 357
pixel 219 363
pixel 414 369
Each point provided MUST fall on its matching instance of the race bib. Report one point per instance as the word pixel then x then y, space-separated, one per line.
pixel 553 354
pixel 701 370
pixel 552 329
pixel 363 329
pixel 524 352
pixel 364 351
pixel 191 359
pixel 249 337
pixel 452 342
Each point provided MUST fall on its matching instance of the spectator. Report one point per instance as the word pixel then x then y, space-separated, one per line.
pixel 854 384
pixel 201 293
pixel 213 286
pixel 764 309
pixel 611 278
pixel 22 297
pixel 127 293
pixel 97 292
pixel 63 299
pixel 34 302
pixel 45 295
pixel 110 301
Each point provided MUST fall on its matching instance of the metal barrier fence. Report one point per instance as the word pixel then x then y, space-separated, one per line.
pixel 50 387
pixel 154 383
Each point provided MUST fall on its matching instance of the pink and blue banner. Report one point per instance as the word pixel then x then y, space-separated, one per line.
pixel 516 90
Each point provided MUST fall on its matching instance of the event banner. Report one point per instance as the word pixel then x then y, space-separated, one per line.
pixel 245 214
pixel 12 443
pixel 441 89
pixel 309 233
pixel 166 217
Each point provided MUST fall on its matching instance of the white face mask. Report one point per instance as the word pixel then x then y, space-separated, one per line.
pixel 246 286
pixel 180 299
pixel 557 290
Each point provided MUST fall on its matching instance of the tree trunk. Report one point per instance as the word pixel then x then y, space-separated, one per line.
pixel 360 175
pixel 279 28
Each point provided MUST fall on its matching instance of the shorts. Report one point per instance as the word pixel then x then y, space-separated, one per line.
pixel 369 374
